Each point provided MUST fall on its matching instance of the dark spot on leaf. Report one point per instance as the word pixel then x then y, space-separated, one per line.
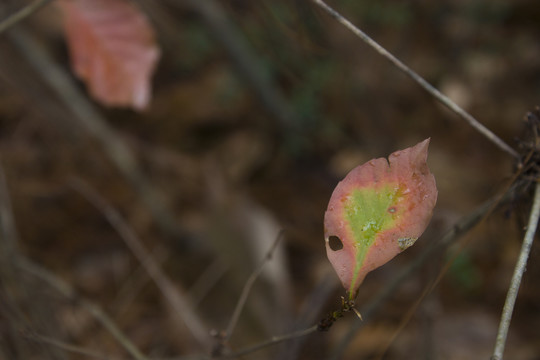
pixel 392 209
pixel 335 243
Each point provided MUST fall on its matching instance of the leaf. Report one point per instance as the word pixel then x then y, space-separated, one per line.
pixel 112 49
pixel 377 211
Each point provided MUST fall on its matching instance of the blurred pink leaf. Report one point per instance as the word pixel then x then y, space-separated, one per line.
pixel 113 49
pixel 377 211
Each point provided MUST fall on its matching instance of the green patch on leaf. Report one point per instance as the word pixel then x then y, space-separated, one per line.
pixel 368 212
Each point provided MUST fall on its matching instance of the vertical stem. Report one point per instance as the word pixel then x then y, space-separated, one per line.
pixel 516 278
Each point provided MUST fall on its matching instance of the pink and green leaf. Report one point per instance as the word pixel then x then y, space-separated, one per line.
pixel 378 210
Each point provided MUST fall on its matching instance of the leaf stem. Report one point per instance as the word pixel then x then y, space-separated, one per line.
pixel 22 14
pixel 443 99
pixel 516 278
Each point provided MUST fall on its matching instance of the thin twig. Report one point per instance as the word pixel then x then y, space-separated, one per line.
pixel 516 278
pixel 446 101
pixel 22 14
pixel 67 347
pixel 272 341
pixel 173 295
pixel 69 292
pixel 247 288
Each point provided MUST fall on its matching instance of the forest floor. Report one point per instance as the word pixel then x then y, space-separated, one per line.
pixel 231 174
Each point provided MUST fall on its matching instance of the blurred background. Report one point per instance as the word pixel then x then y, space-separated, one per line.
pixel 258 110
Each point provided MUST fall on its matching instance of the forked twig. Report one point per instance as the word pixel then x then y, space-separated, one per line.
pixel 446 101
pixel 516 277
pixel 22 14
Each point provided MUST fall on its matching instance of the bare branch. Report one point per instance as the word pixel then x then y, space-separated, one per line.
pixel 443 99
pixel 516 278
pixel 173 295
pixel 22 14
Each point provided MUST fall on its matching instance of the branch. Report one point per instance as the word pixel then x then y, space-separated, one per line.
pixel 69 292
pixel 173 295
pixel 516 278
pixel 443 99
pixel 22 14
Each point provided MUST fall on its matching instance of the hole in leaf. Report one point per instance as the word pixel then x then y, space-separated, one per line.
pixel 335 243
